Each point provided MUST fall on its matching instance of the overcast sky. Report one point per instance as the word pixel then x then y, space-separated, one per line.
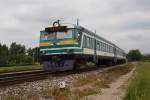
pixel 124 22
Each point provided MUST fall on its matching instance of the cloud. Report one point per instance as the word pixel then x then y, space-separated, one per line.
pixel 125 22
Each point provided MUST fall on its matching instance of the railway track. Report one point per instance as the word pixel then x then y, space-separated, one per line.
pixel 20 77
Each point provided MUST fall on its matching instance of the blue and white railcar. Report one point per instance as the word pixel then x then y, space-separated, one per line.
pixel 62 45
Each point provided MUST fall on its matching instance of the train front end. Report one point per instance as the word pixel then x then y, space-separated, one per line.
pixel 58 46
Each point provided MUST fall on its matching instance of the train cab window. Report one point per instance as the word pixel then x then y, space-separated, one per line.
pixel 64 35
pixel 46 36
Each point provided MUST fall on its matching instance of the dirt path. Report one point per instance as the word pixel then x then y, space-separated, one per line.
pixel 115 92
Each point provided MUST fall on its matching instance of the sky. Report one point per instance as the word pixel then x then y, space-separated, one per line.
pixel 124 22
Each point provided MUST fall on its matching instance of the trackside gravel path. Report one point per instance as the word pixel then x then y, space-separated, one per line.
pixel 115 92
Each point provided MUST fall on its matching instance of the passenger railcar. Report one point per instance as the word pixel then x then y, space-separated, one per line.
pixel 63 45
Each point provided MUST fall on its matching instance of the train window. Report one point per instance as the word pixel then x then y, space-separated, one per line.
pixel 91 43
pixel 97 43
pixel 64 35
pixel 47 36
pixel 87 42
pixel 103 46
pixel 84 41
pixel 106 48
pixel 100 46
pixel 110 49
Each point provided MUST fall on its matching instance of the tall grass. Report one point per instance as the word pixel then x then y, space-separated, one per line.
pixel 20 68
pixel 139 88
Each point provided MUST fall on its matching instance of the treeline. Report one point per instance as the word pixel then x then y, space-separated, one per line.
pixel 17 54
pixel 136 55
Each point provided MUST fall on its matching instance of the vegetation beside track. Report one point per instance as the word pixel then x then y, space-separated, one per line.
pixel 20 68
pixel 82 85
pixel 97 81
pixel 139 88
pixel 86 85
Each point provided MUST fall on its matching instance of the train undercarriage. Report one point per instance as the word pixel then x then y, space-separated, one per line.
pixel 74 61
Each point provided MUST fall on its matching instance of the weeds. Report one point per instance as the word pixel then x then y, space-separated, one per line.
pixel 91 84
pixel 85 92
pixel 11 97
pixel 57 93
pixel 139 88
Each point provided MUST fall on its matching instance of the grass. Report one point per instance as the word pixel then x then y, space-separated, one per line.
pixel 85 92
pixel 91 84
pixel 102 79
pixel 11 97
pixel 139 88
pixel 19 68
pixel 56 93
pixel 114 73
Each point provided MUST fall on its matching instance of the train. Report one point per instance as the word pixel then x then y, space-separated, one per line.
pixel 64 45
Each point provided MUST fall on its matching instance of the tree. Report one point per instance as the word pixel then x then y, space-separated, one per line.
pixel 16 53
pixel 16 49
pixel 34 53
pixel 134 55
pixel 146 57
pixel 3 54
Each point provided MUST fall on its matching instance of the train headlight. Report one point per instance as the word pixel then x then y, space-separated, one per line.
pixel 58 43
pixel 43 52
pixel 69 51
